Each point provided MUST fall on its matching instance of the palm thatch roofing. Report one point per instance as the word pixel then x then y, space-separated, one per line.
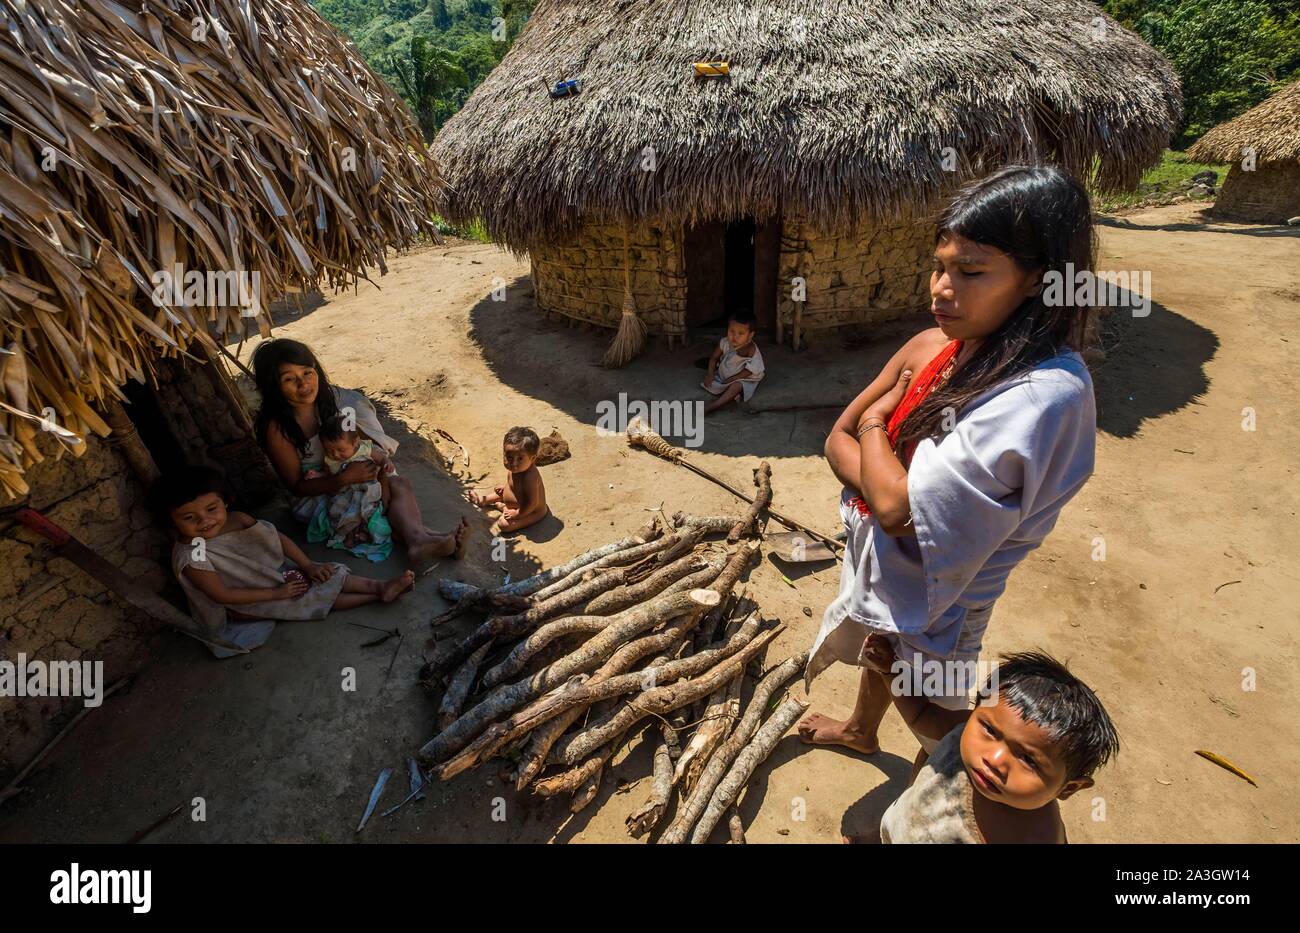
pixel 224 135
pixel 832 109
pixel 1272 129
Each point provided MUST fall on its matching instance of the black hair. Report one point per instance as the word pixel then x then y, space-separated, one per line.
pixel 267 360
pixel 174 489
pixel 525 439
pixel 743 316
pixel 333 430
pixel 1043 691
pixel 1041 217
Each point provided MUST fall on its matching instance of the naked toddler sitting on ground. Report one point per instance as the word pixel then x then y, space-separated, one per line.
pixel 522 498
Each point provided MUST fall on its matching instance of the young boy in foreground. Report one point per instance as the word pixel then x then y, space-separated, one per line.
pixel 522 498
pixel 1036 737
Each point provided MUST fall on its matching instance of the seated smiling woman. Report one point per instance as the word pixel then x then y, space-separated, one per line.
pixel 297 399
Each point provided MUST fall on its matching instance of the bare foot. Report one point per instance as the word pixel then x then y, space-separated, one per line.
pixel 461 537
pixel 396 587
pixel 816 729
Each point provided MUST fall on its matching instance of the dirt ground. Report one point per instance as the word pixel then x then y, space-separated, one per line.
pixel 1198 588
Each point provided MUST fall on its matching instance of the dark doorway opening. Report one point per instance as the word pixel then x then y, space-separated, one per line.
pixel 147 416
pixel 730 267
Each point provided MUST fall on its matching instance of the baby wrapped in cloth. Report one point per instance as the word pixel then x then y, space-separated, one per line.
pixel 331 518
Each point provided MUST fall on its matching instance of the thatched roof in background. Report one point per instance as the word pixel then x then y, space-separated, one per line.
pixel 223 153
pixel 833 109
pixel 1272 129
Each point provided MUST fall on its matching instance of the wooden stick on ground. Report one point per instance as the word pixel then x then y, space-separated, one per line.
pixel 647 816
pixel 15 785
pixel 508 698
pixel 659 701
pixel 453 698
pixel 639 435
pixel 714 770
pixel 728 790
pixel 762 500
pixel 735 827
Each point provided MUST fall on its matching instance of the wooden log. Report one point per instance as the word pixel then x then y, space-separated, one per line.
pixel 505 628
pixel 620 558
pixel 659 700
pixel 722 759
pixel 754 754
pixel 471 596
pixel 568 702
pixel 508 698
pixel 453 698
pixel 712 524
pixel 647 816
pixel 616 600
pixel 523 652
pixel 762 499
pixel 719 715
pixel 533 759
pixel 590 622
pixel 735 826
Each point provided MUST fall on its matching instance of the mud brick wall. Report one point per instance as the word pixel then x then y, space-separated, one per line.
pixel 875 272
pixel 1268 195
pixel 52 611
pixel 582 278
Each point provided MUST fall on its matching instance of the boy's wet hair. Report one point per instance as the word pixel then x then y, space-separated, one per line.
pixel 525 439
pixel 743 316
pixel 174 489
pixel 333 430
pixel 1043 691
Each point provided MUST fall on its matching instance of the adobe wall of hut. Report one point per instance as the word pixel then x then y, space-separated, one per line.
pixel 1268 195
pixel 872 273
pixel 875 272
pixel 52 611
pixel 582 278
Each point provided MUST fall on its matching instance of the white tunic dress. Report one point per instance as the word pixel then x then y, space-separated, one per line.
pixel 982 496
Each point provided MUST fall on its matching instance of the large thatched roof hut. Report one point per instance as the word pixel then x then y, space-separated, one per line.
pixel 1263 145
pixel 837 128
pixel 222 138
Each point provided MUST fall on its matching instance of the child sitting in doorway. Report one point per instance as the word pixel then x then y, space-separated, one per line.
pixel 1037 736
pixel 736 365
pixel 522 498
pixel 354 518
pixel 233 566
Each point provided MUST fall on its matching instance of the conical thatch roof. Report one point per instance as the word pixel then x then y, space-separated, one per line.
pixel 133 139
pixel 1272 129
pixel 832 108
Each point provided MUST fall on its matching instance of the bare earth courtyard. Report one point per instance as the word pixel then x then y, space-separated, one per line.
pixel 1184 500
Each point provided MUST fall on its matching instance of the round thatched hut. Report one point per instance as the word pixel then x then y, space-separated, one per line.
pixel 1263 145
pixel 813 161
pixel 221 138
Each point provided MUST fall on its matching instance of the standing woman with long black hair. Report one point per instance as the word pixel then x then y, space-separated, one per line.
pixel 297 399
pixel 959 457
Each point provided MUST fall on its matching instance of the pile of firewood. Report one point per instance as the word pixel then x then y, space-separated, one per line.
pixel 644 632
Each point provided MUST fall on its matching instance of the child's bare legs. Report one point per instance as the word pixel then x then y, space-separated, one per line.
pixel 859 731
pixel 385 491
pixel 507 526
pixel 728 395
pixel 358 590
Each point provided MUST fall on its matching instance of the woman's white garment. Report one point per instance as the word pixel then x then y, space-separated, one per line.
pixel 982 496
pixel 732 363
